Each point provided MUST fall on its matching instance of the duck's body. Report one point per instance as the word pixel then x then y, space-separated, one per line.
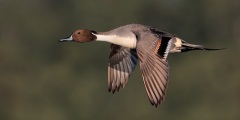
pixel 134 42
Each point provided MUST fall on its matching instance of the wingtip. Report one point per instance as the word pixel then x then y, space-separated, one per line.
pixel 109 89
pixel 113 91
pixel 154 104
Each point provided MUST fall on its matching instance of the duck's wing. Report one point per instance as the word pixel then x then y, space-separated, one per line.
pixel 154 68
pixel 122 62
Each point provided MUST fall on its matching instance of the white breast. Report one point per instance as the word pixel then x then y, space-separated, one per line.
pixel 129 41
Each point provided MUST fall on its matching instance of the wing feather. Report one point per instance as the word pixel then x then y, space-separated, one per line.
pixel 155 74
pixel 122 62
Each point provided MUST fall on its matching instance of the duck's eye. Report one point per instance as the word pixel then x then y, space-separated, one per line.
pixel 78 33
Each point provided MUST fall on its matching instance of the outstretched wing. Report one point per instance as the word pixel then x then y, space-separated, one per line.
pixel 122 62
pixel 154 68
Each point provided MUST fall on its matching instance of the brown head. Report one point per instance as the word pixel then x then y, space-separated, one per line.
pixel 81 36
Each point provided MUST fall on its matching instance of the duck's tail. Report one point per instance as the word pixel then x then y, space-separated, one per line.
pixel 188 47
pixel 179 45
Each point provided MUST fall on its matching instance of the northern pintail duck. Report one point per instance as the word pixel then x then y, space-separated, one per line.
pixel 135 42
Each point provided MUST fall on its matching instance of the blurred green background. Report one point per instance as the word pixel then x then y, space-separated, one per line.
pixel 42 79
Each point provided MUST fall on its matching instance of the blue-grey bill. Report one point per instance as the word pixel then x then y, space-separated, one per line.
pixel 70 38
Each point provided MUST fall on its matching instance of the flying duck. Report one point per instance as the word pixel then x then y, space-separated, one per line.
pixel 135 42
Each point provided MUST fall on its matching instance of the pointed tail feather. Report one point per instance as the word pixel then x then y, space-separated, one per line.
pixel 214 48
pixel 188 47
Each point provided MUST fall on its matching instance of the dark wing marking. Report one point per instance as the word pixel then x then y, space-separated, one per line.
pixel 161 33
pixel 122 62
pixel 155 72
pixel 165 42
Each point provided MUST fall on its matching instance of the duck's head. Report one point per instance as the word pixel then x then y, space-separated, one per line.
pixel 81 36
